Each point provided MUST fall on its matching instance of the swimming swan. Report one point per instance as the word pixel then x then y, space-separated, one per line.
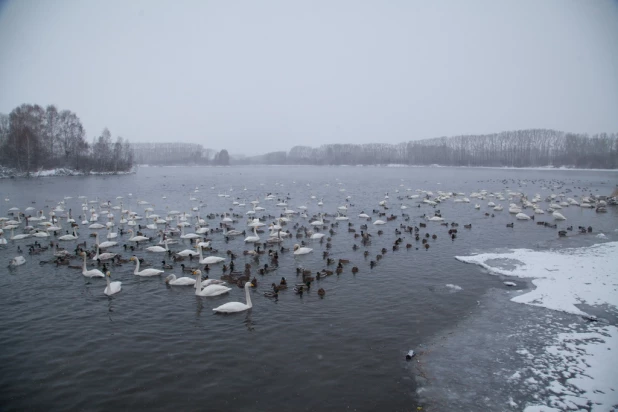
pixel 232 307
pixel 112 287
pixel 210 290
pixel 145 272
pixel 93 273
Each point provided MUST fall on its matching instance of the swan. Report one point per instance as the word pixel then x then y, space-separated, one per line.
pixel 103 256
pixel 2 240
pixel 145 272
pixel 187 252
pixel 364 216
pixel 558 216
pixel 70 237
pixel 232 307
pixel 317 236
pixel 435 219
pixel 318 222
pixel 230 232
pixel 40 234
pixel 104 244
pixel 341 217
pixel 136 238
pixel 93 273
pixel 112 287
pixel 207 282
pixel 188 235
pixel 182 281
pixel 522 216
pixel 301 250
pixel 16 261
pixel 158 249
pixel 18 237
pixel 379 222
pixel 477 206
pixel 210 290
pixel 210 260
pixel 254 238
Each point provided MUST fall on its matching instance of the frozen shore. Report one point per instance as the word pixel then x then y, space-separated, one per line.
pixel 6 173
pixel 508 356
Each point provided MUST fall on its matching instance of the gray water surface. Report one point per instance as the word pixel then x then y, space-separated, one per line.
pixel 65 345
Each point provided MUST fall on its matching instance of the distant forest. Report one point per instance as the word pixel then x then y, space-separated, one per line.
pixel 521 148
pixel 178 154
pixel 34 138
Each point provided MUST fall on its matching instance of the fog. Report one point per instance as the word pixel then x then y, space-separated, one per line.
pixel 253 77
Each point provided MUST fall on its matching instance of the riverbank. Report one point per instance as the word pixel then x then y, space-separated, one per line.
pixel 555 352
pixel 8 173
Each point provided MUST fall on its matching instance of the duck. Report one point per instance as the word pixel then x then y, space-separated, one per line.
pixel 145 272
pixel 112 287
pixel 166 265
pixel 321 292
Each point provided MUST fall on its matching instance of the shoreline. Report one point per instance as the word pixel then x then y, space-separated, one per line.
pixel 520 350
pixel 59 172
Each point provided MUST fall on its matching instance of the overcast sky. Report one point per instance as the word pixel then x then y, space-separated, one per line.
pixel 258 76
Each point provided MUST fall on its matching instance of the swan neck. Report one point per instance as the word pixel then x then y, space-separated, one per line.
pixel 198 283
pixel 249 303
pixel 136 266
pixel 84 266
pixel 109 286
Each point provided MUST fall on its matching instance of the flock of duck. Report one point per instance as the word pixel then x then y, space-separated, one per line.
pixel 52 234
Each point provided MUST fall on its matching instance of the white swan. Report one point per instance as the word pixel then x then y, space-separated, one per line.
pixel 558 216
pixel 17 261
pixel 207 282
pixel 103 256
pixel 70 237
pixel 112 287
pixel 254 238
pixel 182 281
pixel 188 235
pixel 136 238
pixel 110 234
pixel 158 249
pixel 18 237
pixel 318 222
pixel 210 290
pixel 105 244
pixel 93 273
pixel 232 307
pixel 522 216
pixel 210 260
pixel 145 272
pixel 364 216
pixel 301 250
pixel 379 222
pixel 317 236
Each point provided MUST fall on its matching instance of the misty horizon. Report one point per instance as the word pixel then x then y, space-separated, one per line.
pixel 255 78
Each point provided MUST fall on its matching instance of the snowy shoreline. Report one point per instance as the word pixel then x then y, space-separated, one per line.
pixel 6 173
pixel 550 354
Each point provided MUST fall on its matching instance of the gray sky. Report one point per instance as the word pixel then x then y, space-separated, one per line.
pixel 258 76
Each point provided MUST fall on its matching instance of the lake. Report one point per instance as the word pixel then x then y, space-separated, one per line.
pixel 66 345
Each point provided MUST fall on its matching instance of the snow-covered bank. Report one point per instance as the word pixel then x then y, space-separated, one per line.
pixel 6 173
pixel 567 365
pixel 563 278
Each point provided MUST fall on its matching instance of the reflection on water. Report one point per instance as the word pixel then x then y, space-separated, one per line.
pixel 150 346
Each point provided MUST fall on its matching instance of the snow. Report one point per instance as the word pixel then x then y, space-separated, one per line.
pixel 563 278
pixel 575 369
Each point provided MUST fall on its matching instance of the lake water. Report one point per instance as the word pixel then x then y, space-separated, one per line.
pixel 65 345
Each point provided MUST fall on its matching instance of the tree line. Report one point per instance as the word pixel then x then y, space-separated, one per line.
pixel 520 148
pixel 34 138
pixel 179 154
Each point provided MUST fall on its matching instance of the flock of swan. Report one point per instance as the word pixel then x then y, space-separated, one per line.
pixel 143 231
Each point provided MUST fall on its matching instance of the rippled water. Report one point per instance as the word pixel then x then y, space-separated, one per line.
pixel 151 347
